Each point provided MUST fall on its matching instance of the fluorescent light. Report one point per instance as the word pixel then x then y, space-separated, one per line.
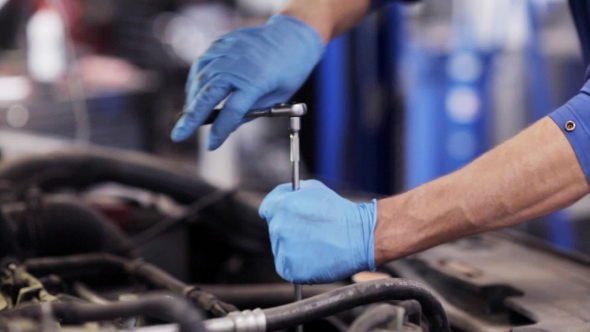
pixel 14 88
pixel 2 3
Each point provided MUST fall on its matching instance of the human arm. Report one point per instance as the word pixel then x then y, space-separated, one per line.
pixel 332 18
pixel 262 65
pixel 329 17
pixel 542 169
pixel 530 175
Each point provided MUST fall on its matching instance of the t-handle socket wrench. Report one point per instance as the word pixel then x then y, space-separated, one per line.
pixel 276 111
pixel 294 128
pixel 294 112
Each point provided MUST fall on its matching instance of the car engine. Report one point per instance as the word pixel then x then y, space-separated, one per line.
pixel 103 240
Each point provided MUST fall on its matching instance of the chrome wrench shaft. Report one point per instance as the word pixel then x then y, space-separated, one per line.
pixel 294 128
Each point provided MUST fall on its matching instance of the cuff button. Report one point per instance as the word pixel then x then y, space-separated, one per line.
pixel 570 126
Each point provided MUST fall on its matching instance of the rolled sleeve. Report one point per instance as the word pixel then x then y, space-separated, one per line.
pixel 574 120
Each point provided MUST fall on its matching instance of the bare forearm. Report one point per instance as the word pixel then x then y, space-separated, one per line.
pixel 329 17
pixel 532 174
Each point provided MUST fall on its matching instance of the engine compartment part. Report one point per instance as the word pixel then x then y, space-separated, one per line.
pixel 69 259
pixel 50 226
pixel 162 250
pixel 381 315
pixel 83 267
pixel 25 296
pixel 333 302
pixel 79 169
pixel 162 306
pixel 504 281
pixel 356 295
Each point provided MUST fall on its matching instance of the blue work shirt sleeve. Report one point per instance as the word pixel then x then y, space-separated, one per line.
pixel 376 4
pixel 574 120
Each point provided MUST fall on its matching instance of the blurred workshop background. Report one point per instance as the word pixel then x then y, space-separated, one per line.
pixel 413 93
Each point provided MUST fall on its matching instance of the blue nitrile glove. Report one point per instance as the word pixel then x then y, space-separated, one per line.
pixel 318 236
pixel 261 66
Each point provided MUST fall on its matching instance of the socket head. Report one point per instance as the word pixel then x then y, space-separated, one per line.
pixel 298 110
pixel 288 110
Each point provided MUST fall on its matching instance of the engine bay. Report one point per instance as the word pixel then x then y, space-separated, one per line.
pixel 106 240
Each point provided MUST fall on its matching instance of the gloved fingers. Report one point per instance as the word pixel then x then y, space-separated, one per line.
pixel 217 50
pixel 230 116
pixel 193 76
pixel 273 202
pixel 221 46
pixel 197 111
pixel 282 259
pixel 284 269
pixel 268 207
pixel 273 98
pixel 288 187
pixel 281 189
pixel 203 73
pixel 312 184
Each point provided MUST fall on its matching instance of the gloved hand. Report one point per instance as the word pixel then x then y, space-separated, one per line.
pixel 261 66
pixel 318 236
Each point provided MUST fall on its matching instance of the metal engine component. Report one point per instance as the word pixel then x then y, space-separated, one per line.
pixel 239 321
pixel 72 261
pixel 294 112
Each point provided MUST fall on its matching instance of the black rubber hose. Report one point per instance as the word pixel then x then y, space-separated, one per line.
pixel 155 277
pixel 252 296
pixel 63 226
pixel 160 306
pixel 235 221
pixel 159 279
pixel 345 298
pixel 77 266
pixel 374 318
pixel 84 167
pixel 413 310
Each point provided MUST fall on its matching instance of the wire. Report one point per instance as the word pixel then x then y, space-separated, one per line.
pixel 166 224
pixel 74 77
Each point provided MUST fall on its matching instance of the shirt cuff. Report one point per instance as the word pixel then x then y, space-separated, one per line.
pixel 574 120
